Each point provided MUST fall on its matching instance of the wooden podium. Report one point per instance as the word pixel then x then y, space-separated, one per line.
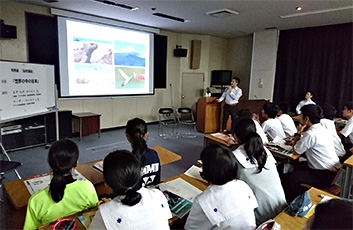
pixel 207 115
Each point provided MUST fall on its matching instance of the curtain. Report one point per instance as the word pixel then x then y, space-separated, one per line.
pixel 316 59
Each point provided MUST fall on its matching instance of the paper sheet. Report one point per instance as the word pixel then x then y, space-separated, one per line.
pixel 194 172
pixel 181 188
pixel 42 181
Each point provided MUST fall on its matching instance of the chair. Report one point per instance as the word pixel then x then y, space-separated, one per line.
pixel 186 122
pixel 6 166
pixel 167 120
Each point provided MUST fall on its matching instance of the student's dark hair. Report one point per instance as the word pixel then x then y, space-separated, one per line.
pixel 244 113
pixel 333 214
pixel 329 112
pixel 136 128
pixel 314 112
pixel 270 109
pixel 267 107
pixel 218 164
pixel 62 157
pixel 284 106
pixel 121 172
pixel 348 104
pixel 236 79
pixel 245 130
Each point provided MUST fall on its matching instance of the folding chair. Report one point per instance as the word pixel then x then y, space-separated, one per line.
pixel 186 122
pixel 167 121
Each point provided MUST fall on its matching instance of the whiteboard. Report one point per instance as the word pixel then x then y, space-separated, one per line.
pixel 25 89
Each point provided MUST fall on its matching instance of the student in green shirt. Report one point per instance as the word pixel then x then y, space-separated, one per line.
pixel 65 195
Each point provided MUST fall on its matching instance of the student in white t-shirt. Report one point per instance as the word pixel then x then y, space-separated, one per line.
pixel 306 101
pixel 227 203
pixel 134 207
pixel 286 120
pixel 347 132
pixel 329 113
pixel 322 162
pixel 271 126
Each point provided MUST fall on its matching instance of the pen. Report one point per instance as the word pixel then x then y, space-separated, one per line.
pixel 29 184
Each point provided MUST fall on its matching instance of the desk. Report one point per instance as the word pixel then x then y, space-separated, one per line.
pixel 276 152
pixel 86 123
pixel 19 195
pixel 220 139
pixel 198 184
pixel 294 222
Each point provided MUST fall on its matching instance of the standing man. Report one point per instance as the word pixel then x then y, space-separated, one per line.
pixel 306 101
pixel 231 96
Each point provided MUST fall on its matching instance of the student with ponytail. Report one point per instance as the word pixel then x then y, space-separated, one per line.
pixel 136 132
pixel 134 206
pixel 65 195
pixel 257 167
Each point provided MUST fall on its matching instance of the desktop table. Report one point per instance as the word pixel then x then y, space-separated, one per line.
pixel 220 139
pixel 294 222
pixel 19 194
pixel 198 184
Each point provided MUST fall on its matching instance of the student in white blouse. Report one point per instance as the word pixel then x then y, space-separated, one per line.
pixel 257 167
pixel 227 203
pixel 134 207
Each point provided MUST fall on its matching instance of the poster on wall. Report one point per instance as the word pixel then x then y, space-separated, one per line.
pixel 25 89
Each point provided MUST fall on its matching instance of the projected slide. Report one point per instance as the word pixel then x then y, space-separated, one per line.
pixel 97 60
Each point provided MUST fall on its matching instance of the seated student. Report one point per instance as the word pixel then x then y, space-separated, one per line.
pixel 246 113
pixel 306 101
pixel 65 195
pixel 134 207
pixel 271 126
pixel 347 132
pixel 322 162
pixel 136 132
pixel 286 120
pixel 257 167
pixel 227 203
pixel 332 214
pixel 329 113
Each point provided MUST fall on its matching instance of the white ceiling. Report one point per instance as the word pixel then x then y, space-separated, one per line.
pixel 254 15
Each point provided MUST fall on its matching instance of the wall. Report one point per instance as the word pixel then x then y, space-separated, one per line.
pixel 116 111
pixel 263 67
pixel 239 61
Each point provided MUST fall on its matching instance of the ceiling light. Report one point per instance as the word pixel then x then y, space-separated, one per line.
pixel 222 13
pixel 316 12
pixel 117 4
pixel 299 8
pixel 170 17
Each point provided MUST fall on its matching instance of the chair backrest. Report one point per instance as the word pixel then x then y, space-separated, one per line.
pixel 166 113
pixel 185 113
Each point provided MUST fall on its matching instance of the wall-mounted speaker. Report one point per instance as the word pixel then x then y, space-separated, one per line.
pixel 180 52
pixel 7 31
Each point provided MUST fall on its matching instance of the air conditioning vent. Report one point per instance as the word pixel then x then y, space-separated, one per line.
pixel 170 17
pixel 222 13
pixel 117 4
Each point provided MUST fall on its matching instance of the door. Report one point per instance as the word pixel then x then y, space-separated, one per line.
pixel 192 89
